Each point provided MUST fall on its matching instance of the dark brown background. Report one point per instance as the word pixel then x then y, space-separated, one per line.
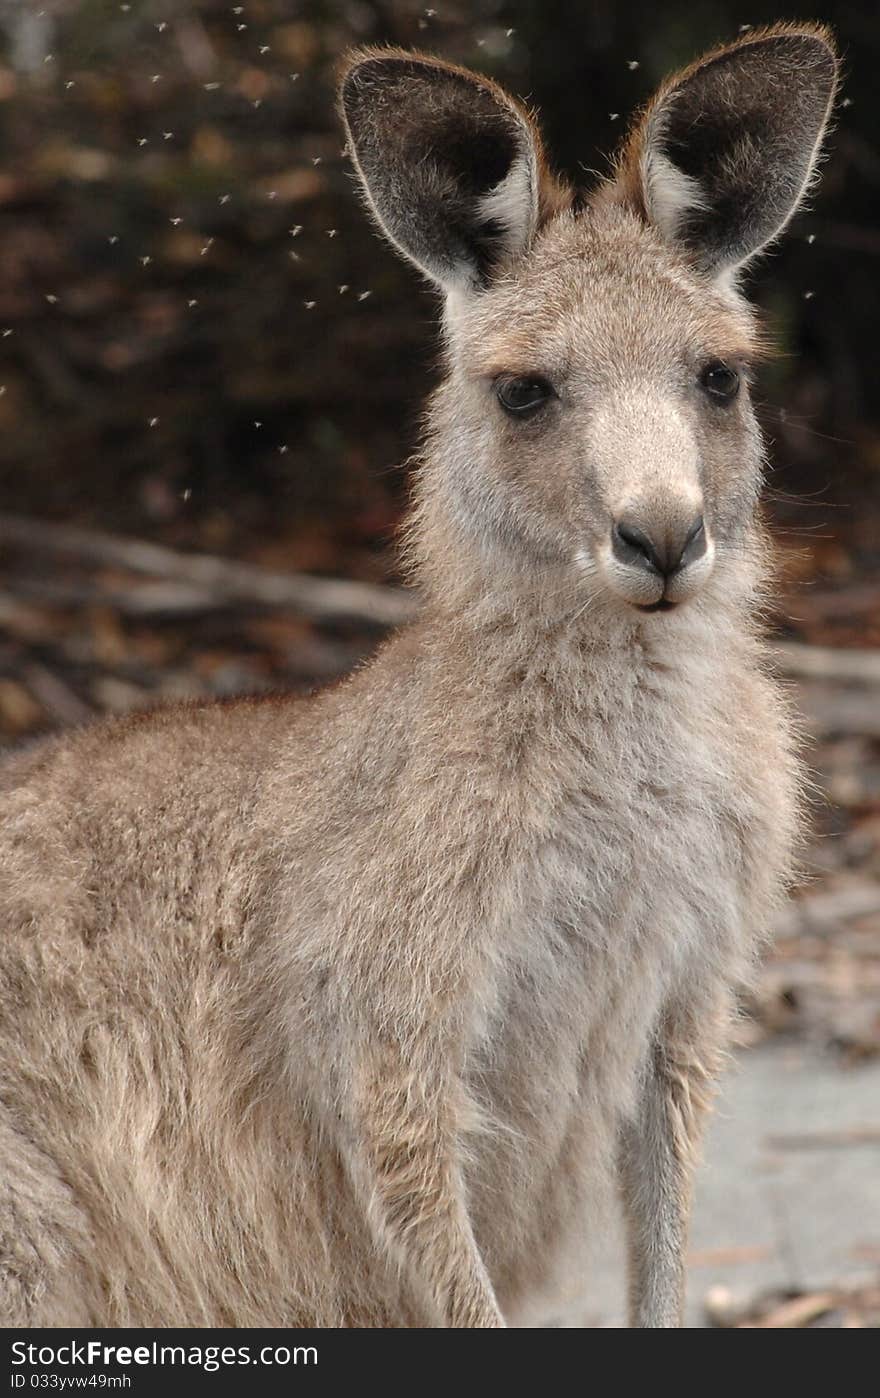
pixel 339 384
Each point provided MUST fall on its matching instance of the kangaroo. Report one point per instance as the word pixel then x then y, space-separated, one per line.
pixel 352 1011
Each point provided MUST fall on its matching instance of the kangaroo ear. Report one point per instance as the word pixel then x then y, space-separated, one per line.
pixel 451 166
pixel 725 152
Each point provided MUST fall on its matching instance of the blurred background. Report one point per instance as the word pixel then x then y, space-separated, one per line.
pixel 210 379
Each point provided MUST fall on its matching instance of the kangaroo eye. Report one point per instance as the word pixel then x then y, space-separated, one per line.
pixel 522 396
pixel 720 381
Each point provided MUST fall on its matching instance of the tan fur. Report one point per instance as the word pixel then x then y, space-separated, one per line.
pixel 347 1012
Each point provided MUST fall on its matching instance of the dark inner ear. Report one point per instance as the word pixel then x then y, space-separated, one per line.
pixel 745 127
pixel 430 142
pixel 472 160
pixel 479 158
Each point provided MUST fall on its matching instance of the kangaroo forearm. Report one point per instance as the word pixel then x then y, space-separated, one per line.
pixel 405 1160
pixel 657 1157
pixel 656 1190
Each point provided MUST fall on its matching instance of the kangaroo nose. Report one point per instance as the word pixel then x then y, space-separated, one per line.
pixel 664 554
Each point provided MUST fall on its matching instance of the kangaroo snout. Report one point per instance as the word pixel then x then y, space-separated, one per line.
pixel 656 558
pixel 665 552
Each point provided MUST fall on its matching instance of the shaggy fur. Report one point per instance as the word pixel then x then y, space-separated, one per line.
pixel 344 1012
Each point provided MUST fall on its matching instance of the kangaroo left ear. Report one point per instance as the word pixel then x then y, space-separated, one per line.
pixel 451 165
pixel 726 151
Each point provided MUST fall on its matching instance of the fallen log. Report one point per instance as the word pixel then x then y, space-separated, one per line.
pixel 843 664
pixel 320 599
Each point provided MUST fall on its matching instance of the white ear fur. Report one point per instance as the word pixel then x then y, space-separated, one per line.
pixel 513 204
pixel 670 195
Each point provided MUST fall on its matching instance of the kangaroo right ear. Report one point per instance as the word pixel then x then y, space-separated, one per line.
pixel 726 151
pixel 451 166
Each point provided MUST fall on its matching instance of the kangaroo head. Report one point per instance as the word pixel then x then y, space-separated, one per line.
pixel 595 419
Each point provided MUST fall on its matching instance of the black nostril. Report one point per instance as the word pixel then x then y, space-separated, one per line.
pixel 630 545
pixel 694 544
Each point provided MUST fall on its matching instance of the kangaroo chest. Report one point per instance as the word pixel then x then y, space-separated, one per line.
pixel 635 865
pixel 629 897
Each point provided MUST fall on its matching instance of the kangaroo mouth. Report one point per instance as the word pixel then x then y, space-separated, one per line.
pixel 664 605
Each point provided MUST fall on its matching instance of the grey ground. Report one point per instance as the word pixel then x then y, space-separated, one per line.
pixel 789 1192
